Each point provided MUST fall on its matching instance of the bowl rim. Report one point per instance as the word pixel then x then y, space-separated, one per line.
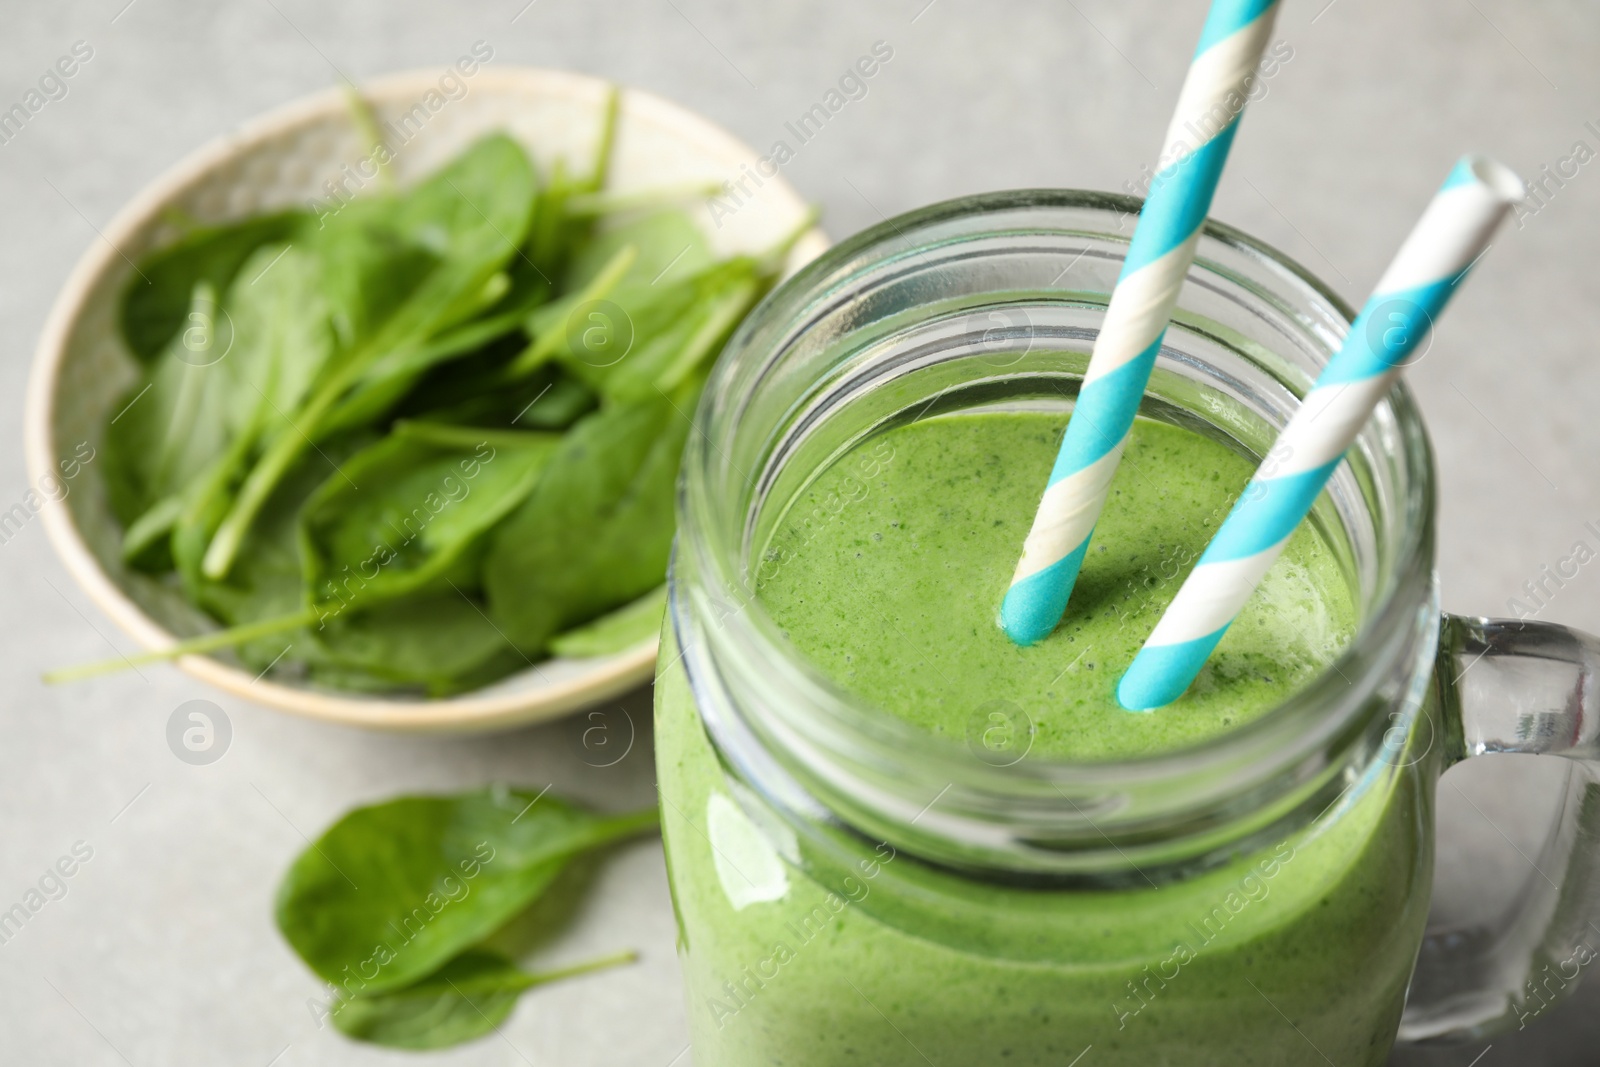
pixel 610 676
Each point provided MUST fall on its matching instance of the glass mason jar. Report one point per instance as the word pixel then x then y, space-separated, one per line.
pixel 850 889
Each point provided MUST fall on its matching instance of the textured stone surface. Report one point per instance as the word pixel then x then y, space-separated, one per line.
pixel 163 952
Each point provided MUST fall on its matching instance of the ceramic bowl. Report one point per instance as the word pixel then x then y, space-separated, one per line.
pixel 284 159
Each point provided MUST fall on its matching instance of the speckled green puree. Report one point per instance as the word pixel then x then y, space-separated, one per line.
pixel 887 577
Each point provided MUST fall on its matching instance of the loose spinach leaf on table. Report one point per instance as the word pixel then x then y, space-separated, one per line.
pixel 157 298
pixel 391 893
pixel 467 998
pixel 597 528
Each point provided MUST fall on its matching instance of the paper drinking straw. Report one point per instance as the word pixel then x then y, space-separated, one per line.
pixel 1452 233
pixel 1213 97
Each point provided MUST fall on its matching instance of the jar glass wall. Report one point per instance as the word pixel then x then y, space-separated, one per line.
pixel 850 889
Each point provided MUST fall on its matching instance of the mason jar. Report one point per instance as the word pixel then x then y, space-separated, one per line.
pixel 851 889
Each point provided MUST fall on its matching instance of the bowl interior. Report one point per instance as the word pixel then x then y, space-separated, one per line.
pixel 288 159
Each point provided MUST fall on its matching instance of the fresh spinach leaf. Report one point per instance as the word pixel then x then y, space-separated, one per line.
pixel 359 355
pixel 674 333
pixel 370 268
pixel 391 893
pixel 669 247
pixel 436 643
pixel 466 999
pixel 558 407
pixel 606 143
pixel 472 215
pixel 278 340
pixel 146 543
pixel 627 627
pixel 553 234
pixel 475 392
pixel 268 583
pixel 173 422
pixel 158 296
pixel 402 515
pixel 277 320
pixel 394 378
pixel 552 327
pixel 597 529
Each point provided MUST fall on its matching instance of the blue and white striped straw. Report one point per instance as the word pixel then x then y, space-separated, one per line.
pixel 1203 124
pixel 1452 233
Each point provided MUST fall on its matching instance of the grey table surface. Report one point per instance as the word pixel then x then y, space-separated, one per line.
pixel 162 951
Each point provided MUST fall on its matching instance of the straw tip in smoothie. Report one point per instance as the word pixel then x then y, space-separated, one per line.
pixel 1161 673
pixel 1138 695
pixel 1033 606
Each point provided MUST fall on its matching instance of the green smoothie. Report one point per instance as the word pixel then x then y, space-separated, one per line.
pixel 896 594
pixel 887 575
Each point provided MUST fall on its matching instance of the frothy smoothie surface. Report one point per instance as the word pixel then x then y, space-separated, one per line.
pixel 888 574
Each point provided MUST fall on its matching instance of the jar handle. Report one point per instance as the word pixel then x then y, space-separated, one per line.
pixel 1531 687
